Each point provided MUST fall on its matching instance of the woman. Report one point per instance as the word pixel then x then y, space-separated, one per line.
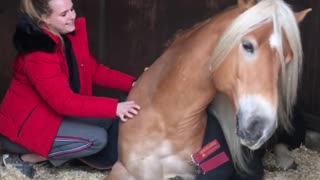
pixel 48 112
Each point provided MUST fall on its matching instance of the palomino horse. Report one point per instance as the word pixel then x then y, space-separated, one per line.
pixel 250 53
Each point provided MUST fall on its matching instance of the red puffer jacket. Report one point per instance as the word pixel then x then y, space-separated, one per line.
pixel 39 95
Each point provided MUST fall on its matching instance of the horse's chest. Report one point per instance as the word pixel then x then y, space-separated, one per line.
pixel 175 166
pixel 163 163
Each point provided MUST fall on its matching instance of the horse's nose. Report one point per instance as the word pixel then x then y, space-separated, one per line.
pixel 250 131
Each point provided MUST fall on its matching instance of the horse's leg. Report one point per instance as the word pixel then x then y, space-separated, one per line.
pixel 283 157
pixel 312 140
pixel 119 172
pixel 181 177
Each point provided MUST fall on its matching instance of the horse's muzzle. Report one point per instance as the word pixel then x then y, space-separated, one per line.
pixel 255 131
pixel 256 120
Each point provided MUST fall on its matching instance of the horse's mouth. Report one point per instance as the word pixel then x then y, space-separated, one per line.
pixel 253 145
pixel 256 144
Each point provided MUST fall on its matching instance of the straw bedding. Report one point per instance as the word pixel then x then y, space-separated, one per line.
pixel 308 168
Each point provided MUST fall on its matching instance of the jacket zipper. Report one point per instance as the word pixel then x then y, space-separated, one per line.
pixel 25 121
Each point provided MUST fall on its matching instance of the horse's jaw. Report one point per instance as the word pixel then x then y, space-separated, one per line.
pixel 256 121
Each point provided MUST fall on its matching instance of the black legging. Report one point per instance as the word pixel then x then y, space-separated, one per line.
pixel 226 171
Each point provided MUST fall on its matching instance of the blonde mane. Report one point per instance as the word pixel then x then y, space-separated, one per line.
pixel 283 19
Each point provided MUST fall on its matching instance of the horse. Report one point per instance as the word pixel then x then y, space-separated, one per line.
pixel 246 60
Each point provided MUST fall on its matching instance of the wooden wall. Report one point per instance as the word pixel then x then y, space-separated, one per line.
pixel 137 30
pixel 8 16
pixel 309 92
pixel 124 34
pixel 130 34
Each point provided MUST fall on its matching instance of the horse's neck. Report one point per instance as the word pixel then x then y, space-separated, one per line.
pixel 185 84
pixel 179 84
pixel 180 78
pixel 188 60
pixel 183 69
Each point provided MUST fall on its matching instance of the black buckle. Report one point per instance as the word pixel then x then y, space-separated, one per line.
pixel 196 167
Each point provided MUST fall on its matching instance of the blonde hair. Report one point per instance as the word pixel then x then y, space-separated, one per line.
pixel 36 9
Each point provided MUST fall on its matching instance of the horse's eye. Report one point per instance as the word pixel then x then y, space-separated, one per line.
pixel 248 47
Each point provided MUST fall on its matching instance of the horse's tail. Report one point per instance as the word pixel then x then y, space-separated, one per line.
pixel 223 110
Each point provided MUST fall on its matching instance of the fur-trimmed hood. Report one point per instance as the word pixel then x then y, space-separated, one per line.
pixel 29 37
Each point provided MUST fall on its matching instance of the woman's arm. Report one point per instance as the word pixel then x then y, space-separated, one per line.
pixel 44 72
pixel 104 76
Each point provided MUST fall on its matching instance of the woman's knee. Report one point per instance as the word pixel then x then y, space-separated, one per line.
pixel 99 139
pixel 94 138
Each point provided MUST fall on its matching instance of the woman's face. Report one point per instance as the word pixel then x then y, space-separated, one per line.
pixel 62 17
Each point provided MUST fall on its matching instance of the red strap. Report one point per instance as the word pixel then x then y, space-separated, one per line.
pixel 203 153
pixel 214 162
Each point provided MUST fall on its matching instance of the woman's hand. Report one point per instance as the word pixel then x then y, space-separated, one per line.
pixel 126 110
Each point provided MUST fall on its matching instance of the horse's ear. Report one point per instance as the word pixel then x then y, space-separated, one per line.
pixel 246 4
pixel 299 17
pixel 302 14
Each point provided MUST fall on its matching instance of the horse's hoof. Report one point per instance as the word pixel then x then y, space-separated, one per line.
pixel 176 178
pixel 283 157
pixel 286 163
pixel 312 140
pixel 293 166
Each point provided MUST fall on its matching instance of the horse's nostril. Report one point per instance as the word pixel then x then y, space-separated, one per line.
pixel 255 126
pixel 252 133
pixel 242 133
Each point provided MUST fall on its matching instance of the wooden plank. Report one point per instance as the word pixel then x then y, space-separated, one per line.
pixel 311 121
pixel 8 17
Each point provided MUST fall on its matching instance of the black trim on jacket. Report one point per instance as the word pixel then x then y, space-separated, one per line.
pixel 29 37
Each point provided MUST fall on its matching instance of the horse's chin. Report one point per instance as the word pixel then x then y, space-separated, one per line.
pixel 256 144
pixel 253 145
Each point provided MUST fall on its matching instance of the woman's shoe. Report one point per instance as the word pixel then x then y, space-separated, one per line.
pixel 13 160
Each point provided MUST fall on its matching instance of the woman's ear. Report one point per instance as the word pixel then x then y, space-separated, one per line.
pixel 45 19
